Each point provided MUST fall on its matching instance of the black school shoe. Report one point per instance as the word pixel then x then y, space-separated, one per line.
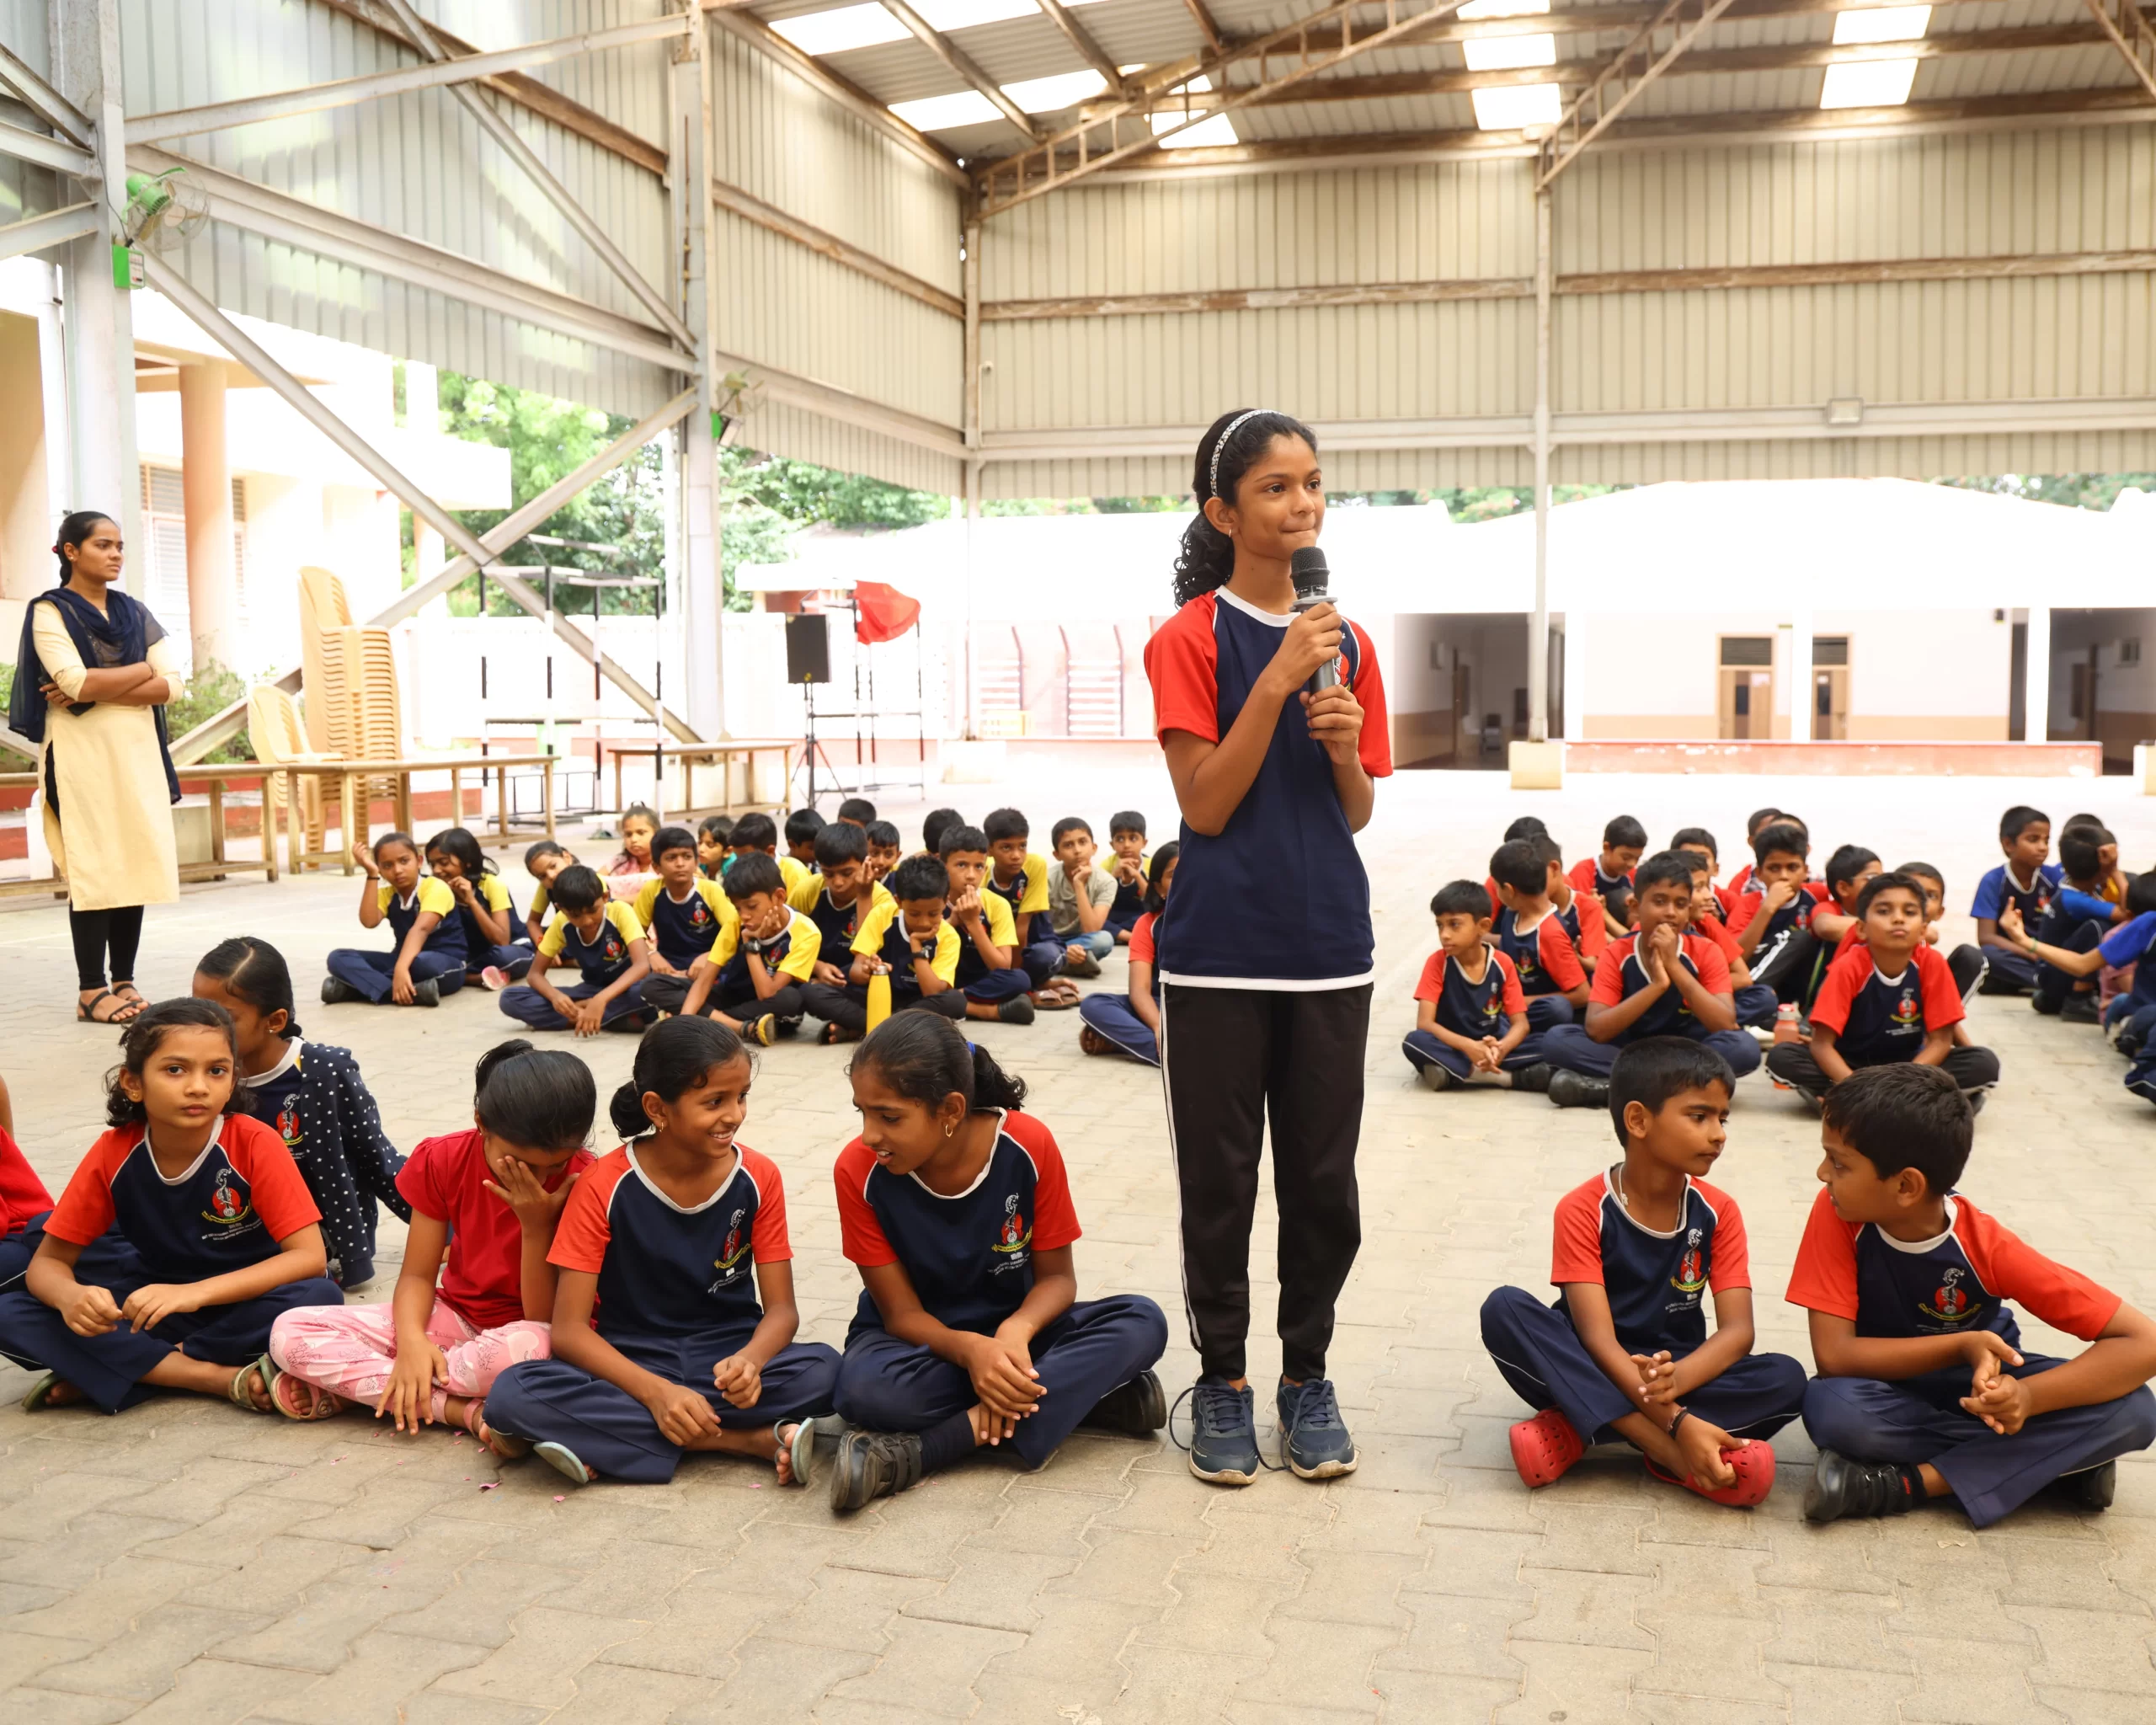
pixel 1137 1409
pixel 1534 1078
pixel 1019 1009
pixel 335 991
pixel 1575 1090
pixel 1312 1431
pixel 1840 1487
pixel 2092 1488
pixel 873 1464
pixel 2079 1008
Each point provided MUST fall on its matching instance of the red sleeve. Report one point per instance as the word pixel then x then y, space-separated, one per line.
pixel 1582 876
pixel 1512 999
pixel 274 1183
pixel 1823 1279
pixel 1055 1222
pixel 1558 958
pixel 586 1229
pixel 1713 929
pixel 860 1236
pixel 1609 974
pixel 1727 900
pixel 22 1194
pixel 1141 940
pixel 1729 1263
pixel 1748 907
pixel 1830 1011
pixel 420 1181
pixel 1182 661
pixel 1433 976
pixel 1942 1000
pixel 2016 1270
pixel 1375 745
pixel 1575 1247
pixel 1594 927
pixel 85 1207
pixel 767 1238
pixel 1708 961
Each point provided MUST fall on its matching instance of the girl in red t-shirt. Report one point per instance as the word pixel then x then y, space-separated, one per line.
pixel 488 1200
pixel 1116 1024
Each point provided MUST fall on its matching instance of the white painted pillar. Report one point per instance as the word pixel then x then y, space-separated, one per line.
pixel 1802 697
pixel 207 487
pixel 1538 638
pixel 103 466
pixel 2037 681
pixel 703 593
pixel 1576 633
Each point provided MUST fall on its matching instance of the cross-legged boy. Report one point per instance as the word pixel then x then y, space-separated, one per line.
pixel 1530 933
pixel 902 936
pixel 1127 840
pixel 1609 876
pixel 1079 899
pixel 1891 998
pixel 1777 908
pixel 1585 923
pixel 1660 981
pixel 1470 1018
pixel 1019 877
pixel 1754 1002
pixel 2028 881
pixel 751 980
pixel 1923 1388
pixel 995 983
pixel 2132 1018
pixel 1965 962
pixel 2080 917
pixel 1624 1353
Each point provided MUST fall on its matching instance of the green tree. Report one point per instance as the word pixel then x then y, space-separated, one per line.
pixel 2096 491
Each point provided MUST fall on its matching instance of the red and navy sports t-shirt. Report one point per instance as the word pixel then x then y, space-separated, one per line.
pixel 22 1194
pixel 1796 915
pixel 1469 1008
pixel 1585 920
pixel 1653 1280
pixel 227 1210
pixel 1714 929
pixel 1998 889
pixel 1286 857
pixel 680 1272
pixel 482 1280
pixel 969 1256
pixel 1624 973
pixel 1586 876
pixel 1876 1018
pixel 1739 884
pixel 1141 950
pixel 1543 954
pixel 1725 898
pixel 1949 1286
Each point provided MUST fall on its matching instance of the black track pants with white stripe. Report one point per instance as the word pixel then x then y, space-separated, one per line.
pixel 1234 1058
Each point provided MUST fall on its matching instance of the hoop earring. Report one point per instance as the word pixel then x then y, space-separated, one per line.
pixel 950 1130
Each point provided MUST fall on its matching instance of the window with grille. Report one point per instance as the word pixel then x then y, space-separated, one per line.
pixel 164 521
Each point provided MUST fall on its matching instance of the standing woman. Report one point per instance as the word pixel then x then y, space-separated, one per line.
pixel 92 677
pixel 1264 949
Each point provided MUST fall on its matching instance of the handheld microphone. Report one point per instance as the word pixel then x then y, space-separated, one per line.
pixel 1312 578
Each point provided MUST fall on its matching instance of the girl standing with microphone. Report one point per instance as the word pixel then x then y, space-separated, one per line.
pixel 1274 777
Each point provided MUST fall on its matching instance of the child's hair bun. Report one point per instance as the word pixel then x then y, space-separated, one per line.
pixel 494 1057
pixel 626 1111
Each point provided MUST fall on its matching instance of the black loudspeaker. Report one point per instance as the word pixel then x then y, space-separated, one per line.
pixel 807 648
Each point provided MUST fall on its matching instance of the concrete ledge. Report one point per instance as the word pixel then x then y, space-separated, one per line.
pixel 1537 766
pixel 1840 760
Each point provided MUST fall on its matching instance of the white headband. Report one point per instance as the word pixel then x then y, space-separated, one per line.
pixel 1220 443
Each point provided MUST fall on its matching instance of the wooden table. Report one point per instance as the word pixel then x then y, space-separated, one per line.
pixel 216 779
pixel 350 773
pixel 724 752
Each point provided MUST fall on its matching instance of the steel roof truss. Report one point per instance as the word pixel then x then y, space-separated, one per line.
pixel 1629 71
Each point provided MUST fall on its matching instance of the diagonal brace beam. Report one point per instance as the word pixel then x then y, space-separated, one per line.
pixel 1081 39
pixel 953 56
pixel 35 233
pixel 2132 34
pixel 1595 109
pixel 55 109
pixel 250 354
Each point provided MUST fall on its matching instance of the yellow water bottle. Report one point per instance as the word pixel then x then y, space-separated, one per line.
pixel 879 998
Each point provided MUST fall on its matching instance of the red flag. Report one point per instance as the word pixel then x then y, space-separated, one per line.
pixel 882 613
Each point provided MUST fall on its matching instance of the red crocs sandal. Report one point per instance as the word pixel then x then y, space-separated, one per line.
pixel 1754 1466
pixel 1544 1446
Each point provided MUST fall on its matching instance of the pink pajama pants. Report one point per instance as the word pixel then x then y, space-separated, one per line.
pixel 350 1349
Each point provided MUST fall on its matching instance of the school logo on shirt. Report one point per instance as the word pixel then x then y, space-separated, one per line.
pixel 1908 1013
pixel 1012 1239
pixel 228 1206
pixel 610 948
pixel 1691 1268
pixel 1493 1007
pixel 729 1262
pixel 1949 1301
pixel 699 913
pixel 288 1127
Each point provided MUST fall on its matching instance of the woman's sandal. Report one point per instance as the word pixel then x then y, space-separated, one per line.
pixel 297 1399
pixel 124 1009
pixel 564 1461
pixel 1753 1463
pixel 238 1392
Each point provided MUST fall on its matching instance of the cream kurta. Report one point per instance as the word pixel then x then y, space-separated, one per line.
pixel 113 837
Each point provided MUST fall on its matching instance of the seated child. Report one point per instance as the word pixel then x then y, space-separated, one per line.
pixel 677 1240
pixel 497 950
pixel 1080 897
pixel 1127 840
pixel 883 846
pixel 1528 931
pixel 1965 962
pixel 312 1096
pixel 1888 999
pixel 2029 881
pixel 996 984
pixel 1923 1389
pixel 2132 1015
pixel 222 1233
pixel 543 862
pixel 837 896
pixel 1847 870
pixel 758 832
pixel 1624 1353
pixel 2080 917
pixel 23 1202
pixel 1526 826
pixel 639 827
pixel 713 832
pixel 1019 877
pixel 933 826
pixel 428 960
pixel 1754 823
pixel 1609 876
pixel 902 936
pixel 680 913
pixel 482 1204
pixel 1585 922
pixel 602 939
pixel 1700 840
pixel 751 980
pixel 1129 1023
pixel 857 811
pixel 802 826
pixel 1660 981
pixel 1470 1018
pixel 1754 1002
pixel 1776 908
pixel 955 1207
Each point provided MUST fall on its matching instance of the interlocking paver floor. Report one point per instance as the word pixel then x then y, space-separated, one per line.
pixel 184 1562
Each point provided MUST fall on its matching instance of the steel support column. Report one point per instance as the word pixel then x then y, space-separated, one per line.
pixel 1538 640
pixel 971 430
pixel 703 593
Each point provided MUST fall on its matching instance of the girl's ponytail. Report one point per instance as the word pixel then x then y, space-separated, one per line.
pixel 626 1111
pixel 993 1086
pixel 1224 453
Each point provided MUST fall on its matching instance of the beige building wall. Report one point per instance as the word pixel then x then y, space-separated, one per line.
pixel 26 565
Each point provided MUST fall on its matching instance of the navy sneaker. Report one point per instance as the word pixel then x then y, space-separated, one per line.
pixel 1223 1434
pixel 1312 1431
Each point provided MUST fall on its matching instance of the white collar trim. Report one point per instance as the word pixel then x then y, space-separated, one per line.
pixel 1002 1121
pixel 718 1192
pixel 1917 1248
pixel 1268 618
pixel 291 1060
